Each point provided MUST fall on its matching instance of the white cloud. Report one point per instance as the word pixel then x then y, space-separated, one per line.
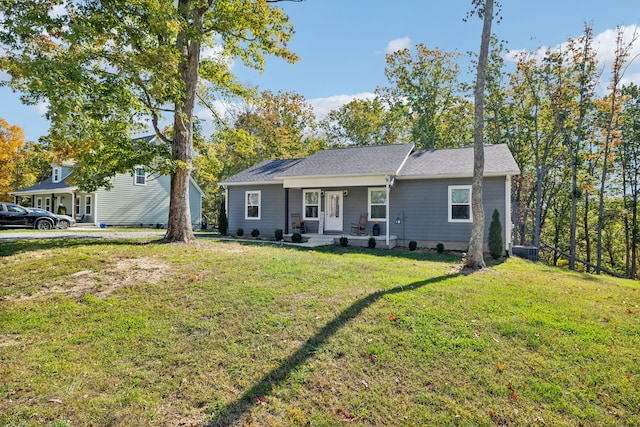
pixel 604 45
pixel 41 107
pixel 322 106
pixel 397 44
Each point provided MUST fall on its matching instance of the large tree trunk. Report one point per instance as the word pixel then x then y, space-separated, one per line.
pixel 180 228
pixel 475 257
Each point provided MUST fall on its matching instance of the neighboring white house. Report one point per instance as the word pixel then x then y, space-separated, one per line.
pixel 134 199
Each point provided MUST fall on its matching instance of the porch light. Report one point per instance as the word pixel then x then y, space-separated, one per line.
pixel 398 220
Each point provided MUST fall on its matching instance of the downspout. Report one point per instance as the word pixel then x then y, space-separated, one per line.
pixel 387 179
pixel 226 202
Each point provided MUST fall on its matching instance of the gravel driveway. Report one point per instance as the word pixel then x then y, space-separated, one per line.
pixel 77 233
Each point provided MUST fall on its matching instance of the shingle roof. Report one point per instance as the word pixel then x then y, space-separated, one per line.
pixel 381 160
pixel 265 171
pixel 46 185
pixel 459 162
pixel 378 160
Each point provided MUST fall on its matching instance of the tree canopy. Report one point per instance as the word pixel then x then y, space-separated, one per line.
pixel 108 69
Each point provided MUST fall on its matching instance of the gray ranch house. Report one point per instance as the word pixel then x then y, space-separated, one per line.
pixel 399 193
pixel 134 199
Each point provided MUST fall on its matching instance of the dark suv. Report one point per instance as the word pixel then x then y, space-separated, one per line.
pixel 14 216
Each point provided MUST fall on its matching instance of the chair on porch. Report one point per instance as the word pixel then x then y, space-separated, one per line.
pixel 361 227
pixel 297 225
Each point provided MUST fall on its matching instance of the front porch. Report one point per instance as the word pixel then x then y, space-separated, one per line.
pixel 314 239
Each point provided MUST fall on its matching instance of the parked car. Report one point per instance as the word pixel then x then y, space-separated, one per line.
pixel 14 216
pixel 64 221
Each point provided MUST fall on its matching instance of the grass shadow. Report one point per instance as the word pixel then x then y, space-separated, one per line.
pixel 232 413
pixel 16 246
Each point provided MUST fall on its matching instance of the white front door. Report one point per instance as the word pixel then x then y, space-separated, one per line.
pixel 333 210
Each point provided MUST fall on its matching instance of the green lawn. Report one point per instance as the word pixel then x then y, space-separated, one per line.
pixel 222 333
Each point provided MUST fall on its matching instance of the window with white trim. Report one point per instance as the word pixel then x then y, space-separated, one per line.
pixel 87 205
pixel 77 205
pixel 139 176
pixel 311 204
pixel 47 204
pixel 460 203
pixel 252 204
pixel 378 204
pixel 39 203
pixel 57 172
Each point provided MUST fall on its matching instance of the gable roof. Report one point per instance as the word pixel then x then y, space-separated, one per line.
pixel 368 160
pixel 383 160
pixel 264 172
pixel 458 162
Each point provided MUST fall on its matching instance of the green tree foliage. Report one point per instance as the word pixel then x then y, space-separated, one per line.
pixel 426 87
pixel 107 68
pixel 365 122
pixel 496 243
pixel 223 221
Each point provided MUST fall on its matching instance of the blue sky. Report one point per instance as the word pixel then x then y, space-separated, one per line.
pixel 342 44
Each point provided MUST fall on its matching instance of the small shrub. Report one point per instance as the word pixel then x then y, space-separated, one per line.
pixel 240 232
pixel 413 245
pixel 344 242
pixel 62 210
pixel 255 232
pixel 296 237
pixel 279 234
pixel 372 242
pixel 440 248
pixel 223 221
pixel 495 236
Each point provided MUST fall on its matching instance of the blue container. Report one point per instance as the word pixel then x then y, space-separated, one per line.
pixel 103 225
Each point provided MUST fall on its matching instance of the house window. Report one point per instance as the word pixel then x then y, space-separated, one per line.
pixel 87 205
pixel 252 202
pixel 56 174
pixel 77 205
pixel 47 204
pixel 311 204
pixel 377 204
pixel 140 176
pixel 460 203
pixel 39 203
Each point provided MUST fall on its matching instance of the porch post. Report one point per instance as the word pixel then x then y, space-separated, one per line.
pixel 286 211
pixel 387 213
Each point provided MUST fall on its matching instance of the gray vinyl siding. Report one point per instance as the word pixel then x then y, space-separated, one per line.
pixel 271 209
pixel 195 204
pixel 425 207
pixel 133 205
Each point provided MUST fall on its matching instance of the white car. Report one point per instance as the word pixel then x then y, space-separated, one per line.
pixel 64 221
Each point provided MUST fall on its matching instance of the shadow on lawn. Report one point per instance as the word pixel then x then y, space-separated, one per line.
pixel 19 245
pixel 234 411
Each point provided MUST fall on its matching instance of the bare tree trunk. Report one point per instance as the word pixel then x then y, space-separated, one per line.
pixel 179 228
pixel 475 257
pixel 587 237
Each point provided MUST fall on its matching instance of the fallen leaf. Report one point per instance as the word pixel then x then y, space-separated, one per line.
pixel 261 401
pixel 628 375
pixel 500 366
pixel 54 401
pixel 531 368
pixel 514 396
pixel 606 319
pixel 193 278
pixel 374 358
pixel 393 317
pixel 582 369
pixel 629 311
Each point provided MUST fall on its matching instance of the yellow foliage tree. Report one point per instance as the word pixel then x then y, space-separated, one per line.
pixel 11 156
